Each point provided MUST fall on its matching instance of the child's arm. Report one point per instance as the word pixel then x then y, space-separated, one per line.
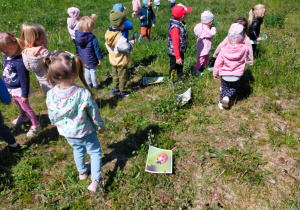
pixel 93 112
pixel 124 46
pixel 23 74
pixel 153 19
pixel 222 44
pixel 128 25
pixel 250 57
pixel 175 41
pixel 4 95
pixel 208 34
pixel 97 50
pixel 140 14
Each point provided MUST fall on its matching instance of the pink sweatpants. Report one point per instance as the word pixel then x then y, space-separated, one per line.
pixel 26 109
pixel 202 60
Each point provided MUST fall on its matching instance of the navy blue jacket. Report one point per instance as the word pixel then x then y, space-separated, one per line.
pixel 15 75
pixel 4 95
pixel 88 48
pixel 148 14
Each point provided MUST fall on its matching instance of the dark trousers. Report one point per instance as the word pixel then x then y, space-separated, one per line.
pixel 175 66
pixel 254 49
pixel 228 88
pixel 5 133
pixel 172 5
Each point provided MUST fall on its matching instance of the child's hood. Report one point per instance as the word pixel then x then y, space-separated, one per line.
pixel 110 38
pixel 72 23
pixel 33 63
pixel 83 38
pixel 235 52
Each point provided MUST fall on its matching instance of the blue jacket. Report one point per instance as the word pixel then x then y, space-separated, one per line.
pixel 88 48
pixel 127 26
pixel 4 95
pixel 15 75
pixel 148 16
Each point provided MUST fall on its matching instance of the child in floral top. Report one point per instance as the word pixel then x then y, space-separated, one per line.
pixel 75 113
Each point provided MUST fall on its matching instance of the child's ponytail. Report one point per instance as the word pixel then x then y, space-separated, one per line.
pixel 251 16
pixel 7 39
pixel 94 18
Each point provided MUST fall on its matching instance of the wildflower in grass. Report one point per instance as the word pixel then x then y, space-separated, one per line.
pixel 189 83
pixel 150 130
pixel 36 145
pixel 208 92
pixel 50 150
pixel 266 72
pixel 213 202
pixel 152 136
pixel 201 203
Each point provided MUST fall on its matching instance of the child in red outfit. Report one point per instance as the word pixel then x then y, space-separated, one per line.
pixel 177 39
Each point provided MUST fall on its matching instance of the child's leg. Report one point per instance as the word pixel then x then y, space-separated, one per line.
pixel 25 107
pixel 79 151
pixel 232 86
pixel 94 150
pixel 224 89
pixel 180 67
pixel 17 101
pixel 206 60
pixel 5 133
pixel 157 7
pixel 123 75
pixel 172 66
pixel 143 31
pixel 94 77
pixel 199 63
pixel 87 76
pixel 115 77
pixel 148 33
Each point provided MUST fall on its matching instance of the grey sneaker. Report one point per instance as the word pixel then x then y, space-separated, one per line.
pixel 20 120
pixel 96 185
pixel 33 130
pixel 85 175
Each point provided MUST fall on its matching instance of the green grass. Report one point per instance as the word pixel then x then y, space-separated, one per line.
pixel 243 158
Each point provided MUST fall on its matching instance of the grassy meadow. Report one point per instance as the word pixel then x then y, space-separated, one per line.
pixel 247 157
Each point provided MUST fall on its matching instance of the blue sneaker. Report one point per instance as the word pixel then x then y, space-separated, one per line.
pixel 114 91
pixel 140 39
pixel 124 94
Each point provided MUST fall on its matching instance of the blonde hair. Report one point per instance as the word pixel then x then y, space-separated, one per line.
pixel 7 39
pixel 30 34
pixel 62 66
pixel 87 23
pixel 256 11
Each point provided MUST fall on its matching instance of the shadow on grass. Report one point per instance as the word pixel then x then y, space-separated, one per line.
pixel 124 149
pixel 106 82
pixel 245 89
pixel 144 62
pixel 112 102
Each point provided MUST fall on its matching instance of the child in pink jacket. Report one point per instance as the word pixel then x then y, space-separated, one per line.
pixel 230 63
pixel 136 6
pixel 205 32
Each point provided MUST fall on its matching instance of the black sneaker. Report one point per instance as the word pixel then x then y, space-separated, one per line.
pixel 14 149
pixel 124 94
pixel 91 86
pixel 114 91
pixel 97 88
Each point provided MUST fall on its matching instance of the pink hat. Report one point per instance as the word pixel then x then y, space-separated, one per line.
pixel 179 10
pixel 73 12
pixel 236 33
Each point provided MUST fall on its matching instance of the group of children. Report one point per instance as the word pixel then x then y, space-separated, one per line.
pixel 72 108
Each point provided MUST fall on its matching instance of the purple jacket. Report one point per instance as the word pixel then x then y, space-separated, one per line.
pixel 231 60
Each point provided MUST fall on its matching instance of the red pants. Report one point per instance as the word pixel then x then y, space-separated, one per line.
pixel 145 31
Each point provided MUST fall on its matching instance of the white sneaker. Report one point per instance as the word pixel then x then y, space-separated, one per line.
pixel 33 130
pixel 96 185
pixel 225 102
pixel 220 105
pixel 85 175
pixel 20 120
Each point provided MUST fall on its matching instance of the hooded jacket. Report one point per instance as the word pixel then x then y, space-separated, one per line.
pixel 148 16
pixel 33 58
pixel 254 28
pixel 88 48
pixel 204 34
pixel 231 60
pixel 72 26
pixel 118 48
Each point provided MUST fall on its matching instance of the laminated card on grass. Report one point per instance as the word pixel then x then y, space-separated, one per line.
pixel 159 160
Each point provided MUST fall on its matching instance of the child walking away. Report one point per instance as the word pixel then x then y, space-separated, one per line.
pixel 5 133
pixel 244 23
pixel 73 23
pixel 157 4
pixel 177 39
pixel 127 25
pixel 136 6
pixel 172 3
pixel 230 63
pixel 119 52
pixel 256 17
pixel 35 40
pixel 75 113
pixel 88 49
pixel 16 79
pixel 147 18
pixel 205 31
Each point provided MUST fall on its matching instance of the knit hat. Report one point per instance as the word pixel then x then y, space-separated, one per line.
pixel 179 10
pixel 206 17
pixel 119 7
pixel 73 12
pixel 116 18
pixel 236 33
pixel 145 2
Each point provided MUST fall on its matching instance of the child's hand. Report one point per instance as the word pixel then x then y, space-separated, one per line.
pixel 179 61
pixel 99 63
pixel 24 100
pixel 153 25
pixel 132 40
pixel 258 39
pixel 215 77
pixel 102 130
pixel 142 17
